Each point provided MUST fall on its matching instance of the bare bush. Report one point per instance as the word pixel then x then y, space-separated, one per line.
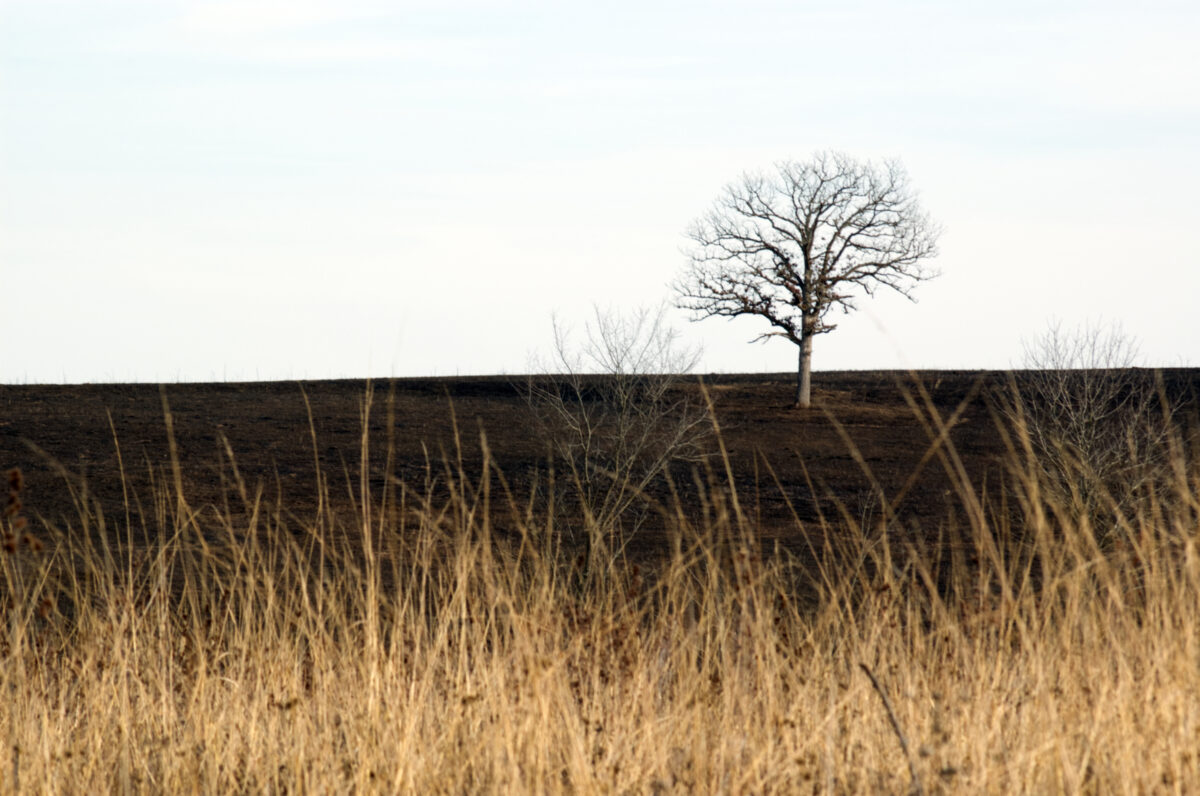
pixel 615 411
pixel 1096 425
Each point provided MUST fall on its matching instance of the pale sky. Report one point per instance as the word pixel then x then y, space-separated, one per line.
pixel 284 189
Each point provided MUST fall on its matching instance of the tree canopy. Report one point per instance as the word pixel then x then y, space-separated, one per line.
pixel 793 245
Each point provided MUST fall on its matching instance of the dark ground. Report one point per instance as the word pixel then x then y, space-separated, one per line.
pixel 267 428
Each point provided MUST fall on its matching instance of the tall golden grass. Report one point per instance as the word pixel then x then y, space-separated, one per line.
pixel 408 646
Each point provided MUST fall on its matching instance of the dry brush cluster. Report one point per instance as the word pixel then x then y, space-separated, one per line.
pixel 617 413
pixel 406 647
pixel 1097 427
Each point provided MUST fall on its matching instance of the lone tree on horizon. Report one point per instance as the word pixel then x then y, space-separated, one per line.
pixel 791 246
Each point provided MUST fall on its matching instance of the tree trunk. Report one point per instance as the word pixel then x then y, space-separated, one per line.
pixel 804 373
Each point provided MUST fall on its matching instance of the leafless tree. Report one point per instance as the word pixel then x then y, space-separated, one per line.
pixel 1096 424
pixel 811 237
pixel 615 411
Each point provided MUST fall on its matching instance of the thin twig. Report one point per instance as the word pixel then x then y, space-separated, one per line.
pixel 887 705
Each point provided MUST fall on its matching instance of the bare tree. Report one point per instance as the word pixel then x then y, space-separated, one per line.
pixel 615 411
pixel 792 246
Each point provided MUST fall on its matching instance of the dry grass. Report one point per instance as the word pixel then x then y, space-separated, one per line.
pixel 246 651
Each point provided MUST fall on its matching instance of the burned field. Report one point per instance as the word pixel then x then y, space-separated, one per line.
pixel 867 433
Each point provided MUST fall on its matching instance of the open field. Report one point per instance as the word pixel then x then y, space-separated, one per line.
pixel 251 587
pixel 267 426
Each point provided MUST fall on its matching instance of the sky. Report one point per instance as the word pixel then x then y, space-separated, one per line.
pixel 301 189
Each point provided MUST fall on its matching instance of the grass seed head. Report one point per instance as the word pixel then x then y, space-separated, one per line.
pixel 16 483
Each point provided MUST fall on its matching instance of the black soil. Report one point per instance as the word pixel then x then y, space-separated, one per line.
pixel 72 442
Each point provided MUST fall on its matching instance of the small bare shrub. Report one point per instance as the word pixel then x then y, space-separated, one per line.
pixel 615 410
pixel 1095 424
